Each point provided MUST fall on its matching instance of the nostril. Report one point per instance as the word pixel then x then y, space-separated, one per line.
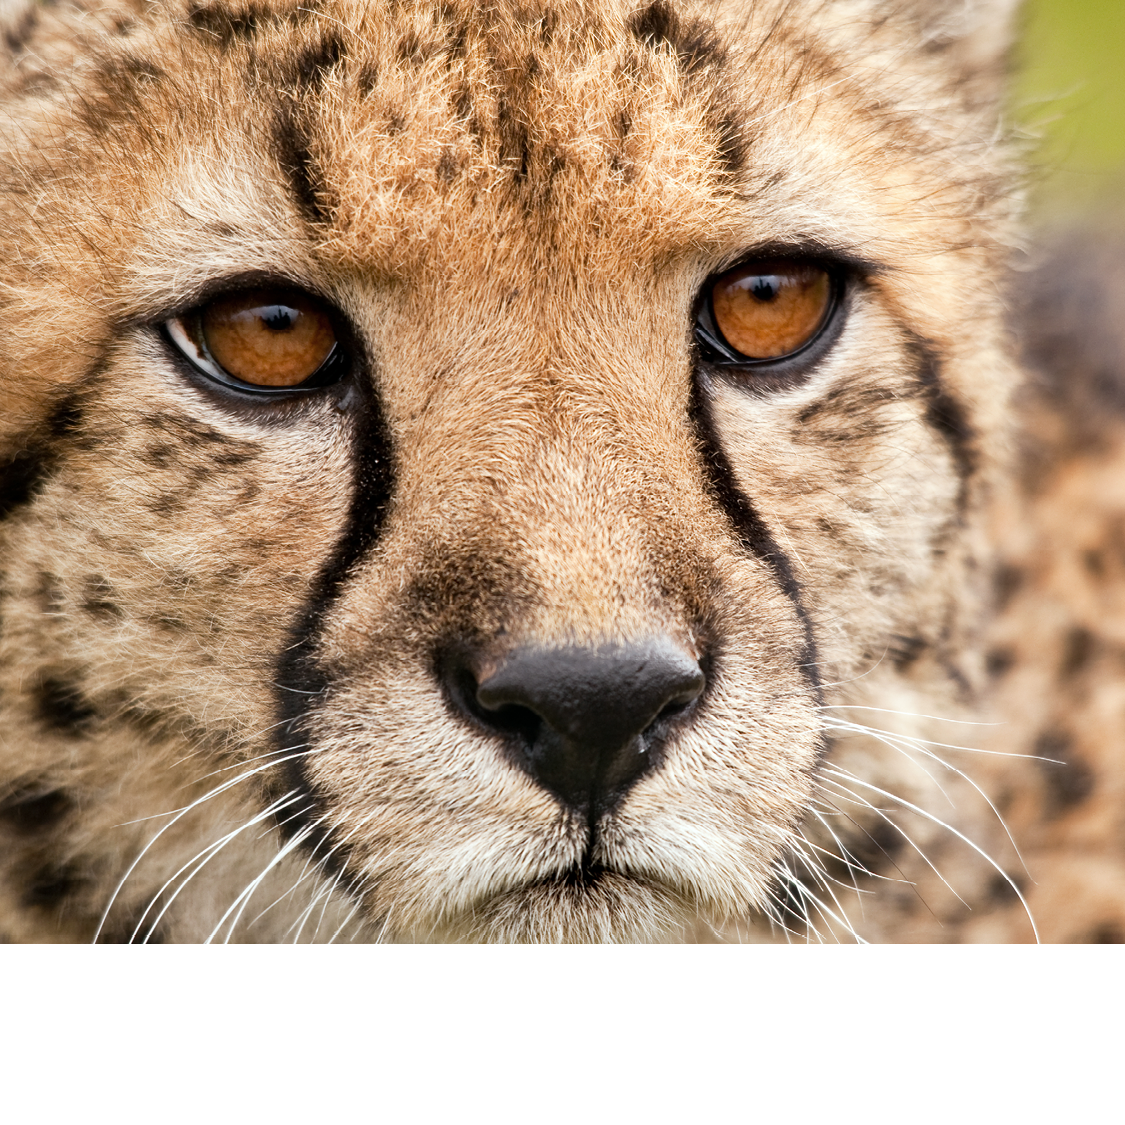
pixel 455 671
pixel 511 718
pixel 671 710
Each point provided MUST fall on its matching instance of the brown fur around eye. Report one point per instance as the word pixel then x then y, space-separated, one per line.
pixel 268 338
pixel 766 310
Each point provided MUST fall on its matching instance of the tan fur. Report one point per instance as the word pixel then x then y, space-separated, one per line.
pixel 514 206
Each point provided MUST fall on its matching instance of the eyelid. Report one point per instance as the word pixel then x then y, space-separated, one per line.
pixel 183 340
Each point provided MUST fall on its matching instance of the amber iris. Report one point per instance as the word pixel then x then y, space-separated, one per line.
pixel 267 337
pixel 768 309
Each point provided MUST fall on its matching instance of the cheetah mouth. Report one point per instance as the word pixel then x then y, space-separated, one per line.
pixel 584 903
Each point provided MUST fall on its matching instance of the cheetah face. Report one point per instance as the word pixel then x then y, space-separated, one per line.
pixel 473 446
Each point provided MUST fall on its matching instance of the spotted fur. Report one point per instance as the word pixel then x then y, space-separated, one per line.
pixel 224 622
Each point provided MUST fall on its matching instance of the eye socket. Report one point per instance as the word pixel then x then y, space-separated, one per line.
pixel 270 340
pixel 766 310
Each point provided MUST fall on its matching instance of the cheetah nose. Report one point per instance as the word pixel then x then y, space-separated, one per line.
pixel 590 722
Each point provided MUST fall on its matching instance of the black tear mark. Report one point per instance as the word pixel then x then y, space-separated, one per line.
pixel 1069 780
pixel 301 682
pixel 62 707
pixel 750 528
pixel 31 811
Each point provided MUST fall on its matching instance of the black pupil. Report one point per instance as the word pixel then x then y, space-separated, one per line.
pixel 765 288
pixel 278 318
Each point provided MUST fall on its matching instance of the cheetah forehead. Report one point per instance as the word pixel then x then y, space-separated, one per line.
pixel 396 135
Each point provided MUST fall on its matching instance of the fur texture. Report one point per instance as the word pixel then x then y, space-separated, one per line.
pixel 224 620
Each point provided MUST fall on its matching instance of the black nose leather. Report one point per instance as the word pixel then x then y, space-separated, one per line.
pixel 589 721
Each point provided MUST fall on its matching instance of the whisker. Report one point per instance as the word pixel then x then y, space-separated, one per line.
pixel 177 817
pixel 920 747
pixel 247 893
pixel 207 854
pixel 960 835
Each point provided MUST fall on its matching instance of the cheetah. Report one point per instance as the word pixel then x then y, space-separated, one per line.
pixel 541 471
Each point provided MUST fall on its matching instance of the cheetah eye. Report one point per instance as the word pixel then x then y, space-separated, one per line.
pixel 765 311
pixel 268 341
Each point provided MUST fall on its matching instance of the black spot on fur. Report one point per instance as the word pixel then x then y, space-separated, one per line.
pixel 904 651
pixel 226 23
pixel 702 58
pixel 999 661
pixel 32 811
pixel 310 66
pixel 292 146
pixel 1001 890
pixel 99 599
pixel 50 593
pixel 1078 649
pixel 21 477
pixel 367 80
pixel 51 885
pixel 121 83
pixel 694 42
pixel 61 707
pixel 1108 933
pixel 448 167
pixel 732 145
pixel 944 413
pixel 413 49
pixel 1069 780
pixel 159 456
pixel 231 23
pixel 1007 581
pixel 515 137
pixel 28 468
pixel 18 35
pixel 65 420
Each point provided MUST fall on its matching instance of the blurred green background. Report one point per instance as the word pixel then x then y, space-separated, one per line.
pixel 1070 92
